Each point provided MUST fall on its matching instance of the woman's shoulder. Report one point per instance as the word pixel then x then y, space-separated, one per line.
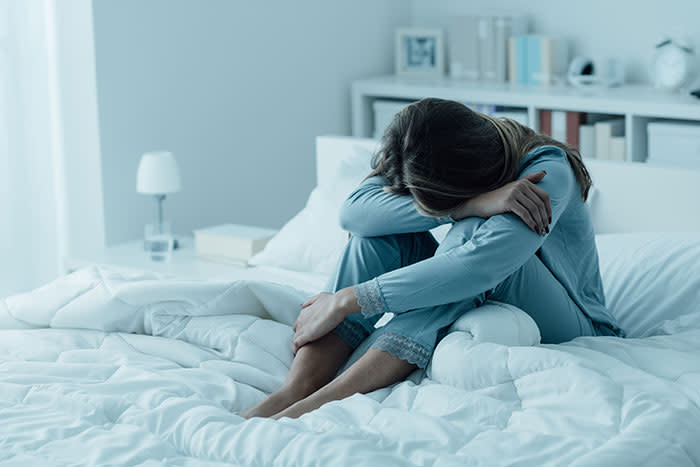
pixel 548 150
pixel 560 180
pixel 543 153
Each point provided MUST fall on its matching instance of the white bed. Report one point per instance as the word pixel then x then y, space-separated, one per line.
pixel 115 367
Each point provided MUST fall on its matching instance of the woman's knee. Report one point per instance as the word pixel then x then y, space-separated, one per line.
pixel 385 246
pixel 365 258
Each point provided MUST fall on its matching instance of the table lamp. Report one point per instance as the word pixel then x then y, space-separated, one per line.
pixel 158 175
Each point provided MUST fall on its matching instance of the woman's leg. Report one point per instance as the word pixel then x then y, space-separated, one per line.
pixel 317 363
pixel 532 288
pixel 314 365
pixel 374 370
pixel 410 337
pixel 535 290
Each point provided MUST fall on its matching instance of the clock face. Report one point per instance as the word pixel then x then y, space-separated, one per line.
pixel 670 67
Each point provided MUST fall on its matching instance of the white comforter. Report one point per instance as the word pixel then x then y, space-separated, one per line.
pixel 103 367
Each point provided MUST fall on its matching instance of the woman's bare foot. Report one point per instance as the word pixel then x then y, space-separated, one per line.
pixel 274 403
pixel 374 370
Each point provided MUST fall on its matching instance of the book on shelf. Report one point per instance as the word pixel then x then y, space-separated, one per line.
pixel 600 139
pixel 562 126
pixel 518 60
pixel 463 47
pixel 586 140
pixel 533 58
pixel 478 46
pixel 574 120
pixel 497 111
pixel 519 116
pixel 604 131
pixel 551 60
pixel 559 125
pixel 512 60
pixel 546 122
pixel 231 243
pixel 487 109
pixel 536 59
pixel 486 32
pixel 616 148
pixel 502 29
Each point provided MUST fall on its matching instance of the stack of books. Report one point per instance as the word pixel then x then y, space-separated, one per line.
pixel 536 59
pixel 478 46
pixel 674 143
pixel 595 136
pixel 497 111
pixel 231 243
pixel 609 136
pixel 384 111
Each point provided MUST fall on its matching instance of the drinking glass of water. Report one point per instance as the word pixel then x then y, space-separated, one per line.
pixel 159 241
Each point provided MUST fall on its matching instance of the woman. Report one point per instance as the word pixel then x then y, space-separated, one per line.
pixel 521 234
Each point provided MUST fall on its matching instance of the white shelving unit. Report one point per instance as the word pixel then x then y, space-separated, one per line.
pixel 638 104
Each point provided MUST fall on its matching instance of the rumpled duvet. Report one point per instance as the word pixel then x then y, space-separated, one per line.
pixel 106 367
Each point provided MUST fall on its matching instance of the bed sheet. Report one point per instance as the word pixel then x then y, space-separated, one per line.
pixel 310 282
pixel 107 367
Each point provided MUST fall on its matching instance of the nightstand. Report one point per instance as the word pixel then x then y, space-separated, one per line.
pixel 183 262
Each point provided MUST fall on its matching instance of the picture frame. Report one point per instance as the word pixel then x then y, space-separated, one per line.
pixel 419 52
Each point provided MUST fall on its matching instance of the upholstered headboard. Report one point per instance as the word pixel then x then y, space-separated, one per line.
pixel 630 196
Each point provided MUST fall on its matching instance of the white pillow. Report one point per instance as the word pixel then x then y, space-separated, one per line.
pixel 313 240
pixel 649 278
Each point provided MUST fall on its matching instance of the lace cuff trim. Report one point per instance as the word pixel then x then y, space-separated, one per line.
pixel 369 298
pixel 351 332
pixel 404 348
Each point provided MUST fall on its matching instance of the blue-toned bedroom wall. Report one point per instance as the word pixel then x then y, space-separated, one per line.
pixel 237 90
pixel 625 29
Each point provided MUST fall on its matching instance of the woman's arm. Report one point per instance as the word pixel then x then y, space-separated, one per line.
pixel 370 211
pixel 520 197
pixel 501 245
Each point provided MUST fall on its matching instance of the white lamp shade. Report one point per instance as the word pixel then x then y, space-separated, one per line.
pixel 158 174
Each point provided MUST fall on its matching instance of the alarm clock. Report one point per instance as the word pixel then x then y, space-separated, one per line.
pixel 671 64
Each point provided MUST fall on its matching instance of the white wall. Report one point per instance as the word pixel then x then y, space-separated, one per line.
pixel 623 29
pixel 237 90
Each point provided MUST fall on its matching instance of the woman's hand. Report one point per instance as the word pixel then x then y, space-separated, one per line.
pixel 321 314
pixel 521 197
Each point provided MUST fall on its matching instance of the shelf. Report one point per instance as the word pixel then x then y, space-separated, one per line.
pixel 635 99
pixel 638 104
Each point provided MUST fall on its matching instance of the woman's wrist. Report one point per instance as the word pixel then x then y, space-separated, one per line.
pixel 347 301
pixel 467 209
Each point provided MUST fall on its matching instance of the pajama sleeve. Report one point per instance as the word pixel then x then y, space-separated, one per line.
pixel 369 211
pixel 500 246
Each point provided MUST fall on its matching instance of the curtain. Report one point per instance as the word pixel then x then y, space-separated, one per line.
pixel 32 198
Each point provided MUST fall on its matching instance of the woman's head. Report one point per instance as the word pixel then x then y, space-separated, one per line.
pixel 443 153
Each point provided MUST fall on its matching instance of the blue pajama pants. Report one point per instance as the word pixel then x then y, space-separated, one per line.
pixel 412 336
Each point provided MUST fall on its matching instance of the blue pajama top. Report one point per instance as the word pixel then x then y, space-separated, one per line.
pixel 500 246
